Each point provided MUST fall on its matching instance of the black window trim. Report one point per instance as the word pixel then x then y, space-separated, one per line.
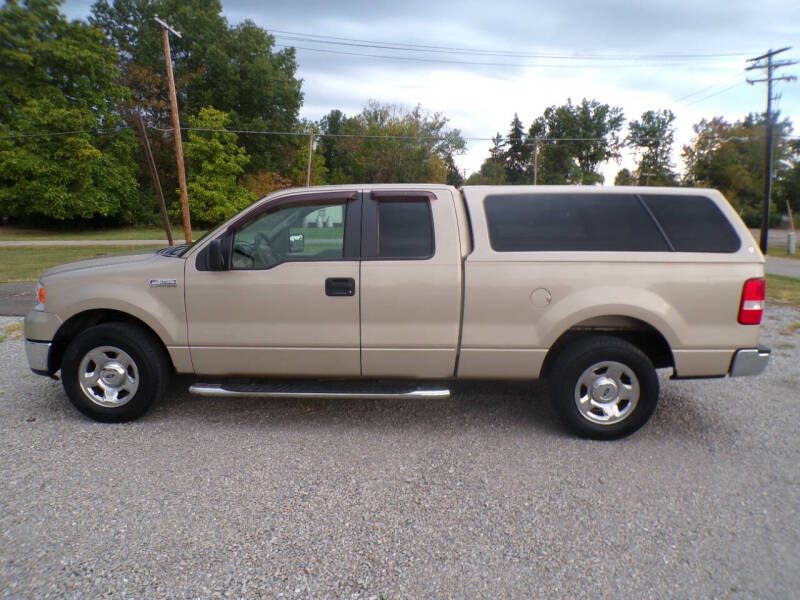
pixel 369 221
pixel 655 222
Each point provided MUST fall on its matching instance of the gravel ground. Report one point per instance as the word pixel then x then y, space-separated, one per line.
pixel 484 495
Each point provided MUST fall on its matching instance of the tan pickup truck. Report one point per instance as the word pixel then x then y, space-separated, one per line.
pixel 385 291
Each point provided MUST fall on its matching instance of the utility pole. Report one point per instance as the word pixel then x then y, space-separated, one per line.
pixel 535 160
pixel 151 165
pixel 769 67
pixel 176 129
pixel 310 149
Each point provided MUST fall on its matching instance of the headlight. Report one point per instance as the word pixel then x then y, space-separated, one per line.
pixel 39 297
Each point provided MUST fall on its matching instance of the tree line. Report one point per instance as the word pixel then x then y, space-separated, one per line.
pixel 93 77
pixel 81 83
pixel 567 144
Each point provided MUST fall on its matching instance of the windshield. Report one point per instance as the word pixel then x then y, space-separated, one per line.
pixel 188 247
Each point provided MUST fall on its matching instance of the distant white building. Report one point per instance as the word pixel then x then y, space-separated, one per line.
pixel 331 216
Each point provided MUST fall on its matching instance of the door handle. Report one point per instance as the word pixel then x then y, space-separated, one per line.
pixel 340 286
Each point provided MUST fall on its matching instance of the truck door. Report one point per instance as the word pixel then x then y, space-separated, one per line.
pixel 288 301
pixel 410 284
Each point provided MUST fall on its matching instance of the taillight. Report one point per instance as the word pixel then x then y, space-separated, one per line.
pixel 751 308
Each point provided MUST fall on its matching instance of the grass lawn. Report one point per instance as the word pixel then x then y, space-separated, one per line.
pixel 12 233
pixel 785 290
pixel 780 252
pixel 26 264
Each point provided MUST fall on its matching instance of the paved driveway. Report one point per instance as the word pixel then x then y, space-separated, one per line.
pixel 16 299
pixel 788 267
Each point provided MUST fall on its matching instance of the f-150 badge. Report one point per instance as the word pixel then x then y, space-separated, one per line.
pixel 163 283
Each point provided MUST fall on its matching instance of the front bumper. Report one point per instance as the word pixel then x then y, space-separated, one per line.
pixel 38 354
pixel 749 361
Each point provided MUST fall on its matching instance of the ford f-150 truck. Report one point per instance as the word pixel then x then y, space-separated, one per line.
pixel 394 290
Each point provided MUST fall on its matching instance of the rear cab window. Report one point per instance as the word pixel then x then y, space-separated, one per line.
pixel 398 228
pixel 616 222
pixel 571 222
pixel 693 223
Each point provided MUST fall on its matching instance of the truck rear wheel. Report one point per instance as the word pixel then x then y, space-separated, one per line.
pixel 603 387
pixel 114 372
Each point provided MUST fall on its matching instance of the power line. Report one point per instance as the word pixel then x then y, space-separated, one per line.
pixel 288 133
pixel 722 91
pixel 58 133
pixel 485 64
pixel 365 135
pixel 329 39
pixel 529 140
pixel 710 87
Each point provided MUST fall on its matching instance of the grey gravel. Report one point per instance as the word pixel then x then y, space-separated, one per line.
pixel 484 495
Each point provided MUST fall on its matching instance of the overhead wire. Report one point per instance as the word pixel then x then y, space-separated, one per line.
pixel 722 91
pixel 484 63
pixel 286 133
pixel 710 87
pixel 58 133
pixel 328 39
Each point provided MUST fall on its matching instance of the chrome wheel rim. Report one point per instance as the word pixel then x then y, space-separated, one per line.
pixel 607 392
pixel 108 376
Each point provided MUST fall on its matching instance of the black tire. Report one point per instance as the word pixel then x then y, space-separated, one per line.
pixel 142 369
pixel 588 369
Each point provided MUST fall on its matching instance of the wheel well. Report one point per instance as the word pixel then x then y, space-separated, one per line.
pixel 634 331
pixel 77 323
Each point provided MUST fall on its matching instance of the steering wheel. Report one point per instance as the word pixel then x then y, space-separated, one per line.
pixel 263 253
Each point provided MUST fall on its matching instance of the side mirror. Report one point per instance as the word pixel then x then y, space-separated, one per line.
pixel 216 258
pixel 297 242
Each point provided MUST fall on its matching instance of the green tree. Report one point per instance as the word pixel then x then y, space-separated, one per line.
pixel 730 158
pixel 624 177
pixel 319 172
pixel 332 125
pixel 234 69
pixel 58 76
pixel 516 157
pixel 498 149
pixel 598 128
pixel 214 162
pixel 787 189
pixel 454 176
pixel 386 143
pixel 491 173
pixel 555 162
pixel 652 137
pixel 582 137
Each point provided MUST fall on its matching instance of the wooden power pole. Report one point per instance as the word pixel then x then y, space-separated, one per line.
pixel 769 67
pixel 176 129
pixel 151 165
pixel 310 150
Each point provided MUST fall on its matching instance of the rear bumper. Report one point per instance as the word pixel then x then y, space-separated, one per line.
pixel 38 354
pixel 749 361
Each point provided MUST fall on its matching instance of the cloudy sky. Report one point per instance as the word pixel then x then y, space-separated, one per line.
pixel 484 61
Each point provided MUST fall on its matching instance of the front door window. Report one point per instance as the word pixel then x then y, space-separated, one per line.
pixel 296 233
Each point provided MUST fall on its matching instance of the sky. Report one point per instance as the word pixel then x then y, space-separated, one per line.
pixel 486 61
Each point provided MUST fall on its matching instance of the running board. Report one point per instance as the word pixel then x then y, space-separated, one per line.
pixel 299 390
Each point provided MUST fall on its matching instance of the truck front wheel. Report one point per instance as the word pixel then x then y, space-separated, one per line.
pixel 603 387
pixel 114 372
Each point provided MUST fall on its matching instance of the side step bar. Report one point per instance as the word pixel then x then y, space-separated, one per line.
pixel 267 390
